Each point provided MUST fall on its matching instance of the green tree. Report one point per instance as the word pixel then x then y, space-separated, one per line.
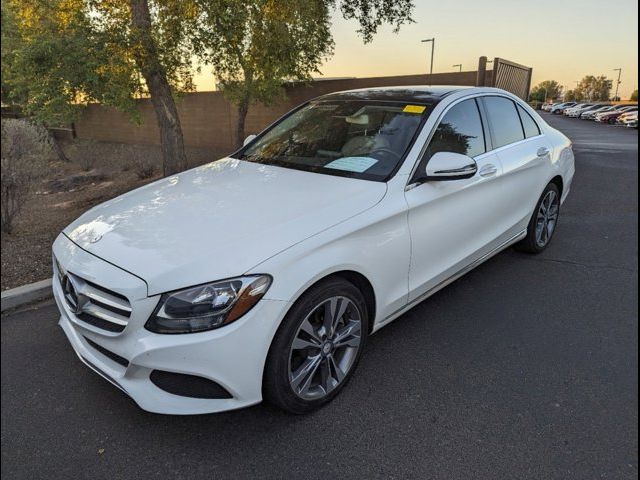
pixel 255 46
pixel 634 95
pixel 9 45
pixel 67 53
pixel 571 96
pixel 592 88
pixel 57 62
pixel 548 90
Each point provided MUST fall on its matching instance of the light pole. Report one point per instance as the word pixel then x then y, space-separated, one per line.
pixel 458 65
pixel 619 70
pixel 433 45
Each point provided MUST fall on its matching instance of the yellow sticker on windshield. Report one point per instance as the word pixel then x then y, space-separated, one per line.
pixel 414 108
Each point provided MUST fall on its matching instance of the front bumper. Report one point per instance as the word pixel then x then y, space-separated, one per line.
pixel 233 356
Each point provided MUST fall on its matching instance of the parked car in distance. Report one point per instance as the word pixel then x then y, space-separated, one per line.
pixel 262 274
pixel 621 119
pixel 631 121
pixel 575 110
pixel 565 110
pixel 590 114
pixel 608 117
pixel 592 108
pixel 561 107
pixel 547 106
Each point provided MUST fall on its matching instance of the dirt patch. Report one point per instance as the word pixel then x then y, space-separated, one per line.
pixel 65 192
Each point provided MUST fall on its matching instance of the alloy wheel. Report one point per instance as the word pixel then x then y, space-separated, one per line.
pixel 325 348
pixel 547 218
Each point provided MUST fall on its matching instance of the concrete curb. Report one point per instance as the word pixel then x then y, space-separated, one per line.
pixel 16 297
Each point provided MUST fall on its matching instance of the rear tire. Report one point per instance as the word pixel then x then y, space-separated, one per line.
pixel 317 347
pixel 543 221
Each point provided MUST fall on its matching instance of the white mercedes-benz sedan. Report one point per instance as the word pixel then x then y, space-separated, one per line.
pixel 261 275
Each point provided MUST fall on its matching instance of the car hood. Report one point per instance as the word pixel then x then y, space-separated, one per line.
pixel 217 221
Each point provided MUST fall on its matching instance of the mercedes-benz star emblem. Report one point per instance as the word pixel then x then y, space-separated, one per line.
pixel 71 295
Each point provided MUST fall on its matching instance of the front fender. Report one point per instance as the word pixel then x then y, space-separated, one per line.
pixel 375 244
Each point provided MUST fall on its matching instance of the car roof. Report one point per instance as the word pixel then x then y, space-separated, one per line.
pixel 406 94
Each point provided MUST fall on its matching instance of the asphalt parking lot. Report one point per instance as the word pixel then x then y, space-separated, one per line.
pixel 525 368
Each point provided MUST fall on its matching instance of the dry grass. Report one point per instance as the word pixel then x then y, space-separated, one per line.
pixel 25 150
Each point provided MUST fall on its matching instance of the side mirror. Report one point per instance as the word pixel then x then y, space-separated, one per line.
pixel 248 140
pixel 450 166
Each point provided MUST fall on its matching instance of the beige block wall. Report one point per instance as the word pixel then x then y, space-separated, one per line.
pixel 208 119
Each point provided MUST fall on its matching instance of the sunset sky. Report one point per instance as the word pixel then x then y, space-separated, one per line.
pixel 561 39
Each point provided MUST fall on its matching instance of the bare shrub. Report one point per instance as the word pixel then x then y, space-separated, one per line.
pixel 25 150
pixel 143 163
pixel 83 152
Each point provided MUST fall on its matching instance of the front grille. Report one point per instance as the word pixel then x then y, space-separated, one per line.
pixel 100 323
pixel 94 304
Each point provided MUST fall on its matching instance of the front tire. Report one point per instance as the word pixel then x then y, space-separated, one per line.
pixel 543 222
pixel 317 347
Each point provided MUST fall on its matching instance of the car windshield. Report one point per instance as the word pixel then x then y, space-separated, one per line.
pixel 360 139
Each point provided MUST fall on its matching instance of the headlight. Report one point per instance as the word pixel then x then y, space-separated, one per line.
pixel 208 306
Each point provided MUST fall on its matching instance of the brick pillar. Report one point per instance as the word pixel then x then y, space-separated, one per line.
pixel 482 72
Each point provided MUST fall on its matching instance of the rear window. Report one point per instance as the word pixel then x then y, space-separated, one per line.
pixel 504 121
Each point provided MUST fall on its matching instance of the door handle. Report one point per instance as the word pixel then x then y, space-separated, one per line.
pixel 542 152
pixel 488 170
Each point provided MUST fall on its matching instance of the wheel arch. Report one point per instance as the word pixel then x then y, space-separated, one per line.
pixel 359 280
pixel 363 284
pixel 558 182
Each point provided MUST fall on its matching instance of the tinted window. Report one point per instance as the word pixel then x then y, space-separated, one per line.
pixel 504 119
pixel 460 131
pixel 361 139
pixel 530 126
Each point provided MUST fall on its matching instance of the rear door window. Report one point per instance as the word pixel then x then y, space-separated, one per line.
pixel 504 121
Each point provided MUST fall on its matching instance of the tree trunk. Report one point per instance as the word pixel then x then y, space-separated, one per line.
pixel 174 159
pixel 243 108
pixel 57 147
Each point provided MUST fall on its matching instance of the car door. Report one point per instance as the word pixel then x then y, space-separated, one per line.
pixel 524 154
pixel 452 222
